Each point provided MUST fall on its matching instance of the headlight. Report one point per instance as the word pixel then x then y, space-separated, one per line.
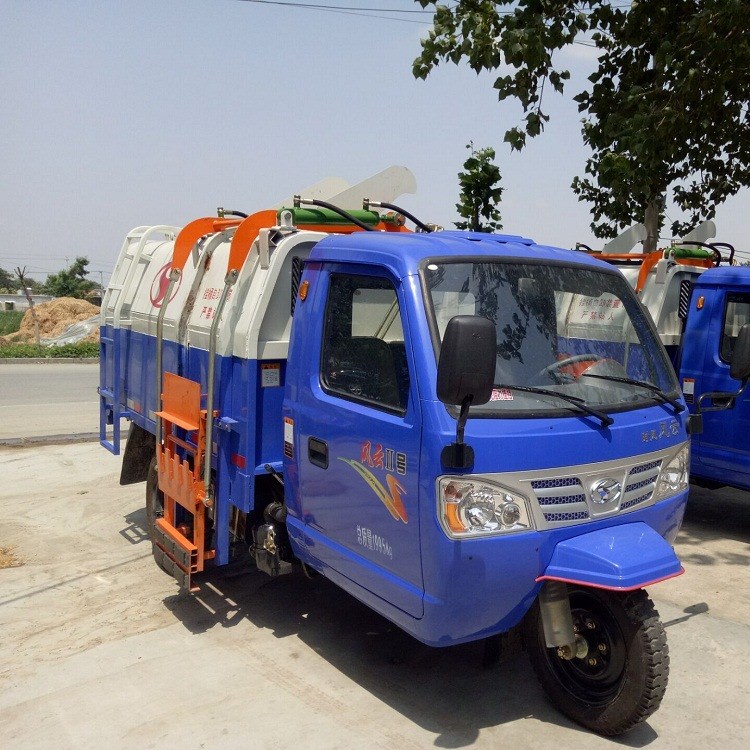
pixel 469 509
pixel 673 477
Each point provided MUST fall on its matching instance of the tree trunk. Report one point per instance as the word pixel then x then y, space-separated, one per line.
pixel 21 275
pixel 651 222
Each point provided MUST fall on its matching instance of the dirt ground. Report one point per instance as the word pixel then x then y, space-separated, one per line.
pixel 8 558
pixel 99 648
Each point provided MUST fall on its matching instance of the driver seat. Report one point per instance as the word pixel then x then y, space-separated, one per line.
pixel 363 366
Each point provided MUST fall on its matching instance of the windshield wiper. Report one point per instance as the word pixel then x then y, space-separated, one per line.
pixel 658 392
pixel 576 402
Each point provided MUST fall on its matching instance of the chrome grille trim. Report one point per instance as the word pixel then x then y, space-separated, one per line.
pixel 646 467
pixel 556 517
pixel 562 500
pixel 542 484
pixel 636 501
pixel 638 485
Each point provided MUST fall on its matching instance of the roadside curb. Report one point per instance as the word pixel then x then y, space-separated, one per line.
pixel 47 360
pixel 39 440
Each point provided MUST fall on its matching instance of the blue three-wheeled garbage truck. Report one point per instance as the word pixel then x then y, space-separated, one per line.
pixel 467 432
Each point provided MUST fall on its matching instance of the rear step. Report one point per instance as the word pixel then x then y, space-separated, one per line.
pixel 179 464
pixel 175 553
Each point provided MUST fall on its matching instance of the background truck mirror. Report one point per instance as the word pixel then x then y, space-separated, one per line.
pixel 466 367
pixel 740 367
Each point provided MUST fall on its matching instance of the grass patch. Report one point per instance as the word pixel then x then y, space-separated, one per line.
pixel 8 559
pixel 10 321
pixel 69 351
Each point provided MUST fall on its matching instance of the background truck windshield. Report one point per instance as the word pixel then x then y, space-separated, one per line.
pixel 565 329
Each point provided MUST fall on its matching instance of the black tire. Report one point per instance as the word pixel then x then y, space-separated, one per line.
pixel 154 504
pixel 626 682
pixel 154 498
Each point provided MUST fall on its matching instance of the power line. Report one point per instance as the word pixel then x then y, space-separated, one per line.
pixel 321 6
pixel 367 12
pixel 347 10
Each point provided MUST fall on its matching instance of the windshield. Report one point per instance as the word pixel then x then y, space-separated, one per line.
pixel 564 329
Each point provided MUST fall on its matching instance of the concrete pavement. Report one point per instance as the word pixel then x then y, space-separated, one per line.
pixel 48 399
pixel 99 648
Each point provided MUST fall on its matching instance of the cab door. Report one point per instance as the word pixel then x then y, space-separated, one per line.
pixel 722 451
pixel 358 435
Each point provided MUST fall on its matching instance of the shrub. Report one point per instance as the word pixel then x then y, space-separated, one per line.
pixel 68 351
pixel 10 321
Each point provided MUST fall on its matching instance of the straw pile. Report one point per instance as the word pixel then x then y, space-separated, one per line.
pixel 54 317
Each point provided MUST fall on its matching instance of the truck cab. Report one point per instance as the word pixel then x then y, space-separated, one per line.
pixel 719 308
pixel 583 423
pixel 699 302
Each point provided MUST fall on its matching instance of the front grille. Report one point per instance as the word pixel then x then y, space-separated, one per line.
pixel 638 485
pixel 543 484
pixel 645 467
pixel 558 517
pixel 636 501
pixel 640 490
pixel 566 495
pixel 565 500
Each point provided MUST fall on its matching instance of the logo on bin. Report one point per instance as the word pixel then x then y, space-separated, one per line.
pixel 606 491
pixel 160 284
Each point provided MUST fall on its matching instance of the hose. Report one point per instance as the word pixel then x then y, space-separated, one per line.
pixel 367 203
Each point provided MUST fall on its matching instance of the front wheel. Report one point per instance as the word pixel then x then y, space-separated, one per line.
pixel 622 679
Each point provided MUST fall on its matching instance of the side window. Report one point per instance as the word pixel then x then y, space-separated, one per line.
pixel 364 355
pixel 736 314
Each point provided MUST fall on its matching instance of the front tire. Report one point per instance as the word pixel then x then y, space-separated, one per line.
pixel 622 679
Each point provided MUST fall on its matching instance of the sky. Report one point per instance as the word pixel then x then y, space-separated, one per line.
pixel 140 112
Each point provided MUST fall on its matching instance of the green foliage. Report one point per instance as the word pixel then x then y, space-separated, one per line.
pixel 666 115
pixel 522 34
pixel 68 351
pixel 71 281
pixel 10 321
pixel 8 282
pixel 480 192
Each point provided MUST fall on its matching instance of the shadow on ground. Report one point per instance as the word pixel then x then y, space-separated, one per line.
pixel 716 515
pixel 452 692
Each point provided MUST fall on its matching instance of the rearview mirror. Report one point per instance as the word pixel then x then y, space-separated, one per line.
pixel 466 367
pixel 465 376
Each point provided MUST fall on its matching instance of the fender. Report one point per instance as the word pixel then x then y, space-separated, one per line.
pixel 619 558
pixel 139 450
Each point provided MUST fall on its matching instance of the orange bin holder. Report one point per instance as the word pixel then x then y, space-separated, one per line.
pixel 178 548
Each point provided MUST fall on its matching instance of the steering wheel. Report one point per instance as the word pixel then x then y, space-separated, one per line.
pixel 555 367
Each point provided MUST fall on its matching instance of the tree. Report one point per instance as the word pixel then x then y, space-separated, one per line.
pixel 21 273
pixel 70 282
pixel 480 193
pixel 7 283
pixel 666 115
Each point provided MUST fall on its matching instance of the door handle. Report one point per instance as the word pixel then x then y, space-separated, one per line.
pixel 317 452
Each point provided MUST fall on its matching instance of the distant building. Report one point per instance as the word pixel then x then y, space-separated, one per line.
pixel 18 301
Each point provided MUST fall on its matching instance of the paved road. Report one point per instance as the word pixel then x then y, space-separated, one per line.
pixel 98 648
pixel 48 399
